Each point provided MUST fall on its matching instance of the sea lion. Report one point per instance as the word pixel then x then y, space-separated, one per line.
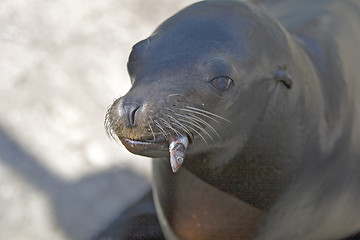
pixel 260 108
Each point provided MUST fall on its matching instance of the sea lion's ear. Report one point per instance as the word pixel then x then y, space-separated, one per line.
pixel 282 76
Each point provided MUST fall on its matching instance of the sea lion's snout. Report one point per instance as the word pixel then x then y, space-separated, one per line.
pixel 126 120
pixel 146 129
pixel 161 126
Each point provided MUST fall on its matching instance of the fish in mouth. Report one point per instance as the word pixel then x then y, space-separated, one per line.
pixel 177 147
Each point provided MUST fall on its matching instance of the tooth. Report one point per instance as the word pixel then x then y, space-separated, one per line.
pixel 177 148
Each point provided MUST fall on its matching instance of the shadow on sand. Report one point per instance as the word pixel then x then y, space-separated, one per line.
pixel 82 208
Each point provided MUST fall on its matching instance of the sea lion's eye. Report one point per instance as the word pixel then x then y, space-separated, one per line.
pixel 221 83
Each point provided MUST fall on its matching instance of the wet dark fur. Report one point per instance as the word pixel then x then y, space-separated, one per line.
pixel 283 137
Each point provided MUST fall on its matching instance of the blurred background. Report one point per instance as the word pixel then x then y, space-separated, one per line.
pixel 62 63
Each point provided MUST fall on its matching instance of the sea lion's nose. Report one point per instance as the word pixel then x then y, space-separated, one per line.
pixel 130 112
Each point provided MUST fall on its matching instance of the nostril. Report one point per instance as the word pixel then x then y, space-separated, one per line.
pixel 130 111
pixel 132 115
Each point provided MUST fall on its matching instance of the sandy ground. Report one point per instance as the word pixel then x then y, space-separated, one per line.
pixel 61 64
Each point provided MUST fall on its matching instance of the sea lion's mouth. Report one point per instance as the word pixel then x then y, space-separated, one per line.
pixel 159 140
pixel 143 143
pixel 146 147
pixel 160 147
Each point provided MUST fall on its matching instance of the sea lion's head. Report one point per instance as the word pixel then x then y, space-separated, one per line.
pixel 205 75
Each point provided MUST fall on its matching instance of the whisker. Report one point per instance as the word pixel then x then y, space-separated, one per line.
pixel 178 94
pixel 196 112
pixel 109 124
pixel 152 132
pixel 197 126
pixel 168 125
pixel 206 112
pixel 198 133
pixel 198 119
pixel 194 123
pixel 160 127
pixel 113 135
pixel 180 125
